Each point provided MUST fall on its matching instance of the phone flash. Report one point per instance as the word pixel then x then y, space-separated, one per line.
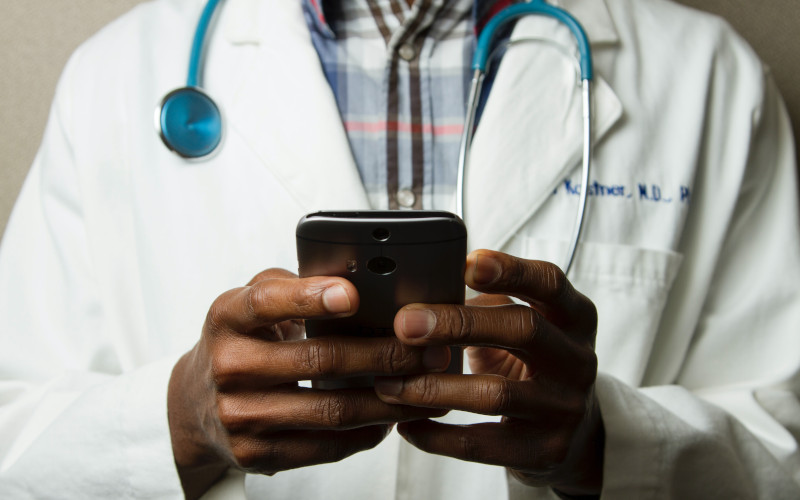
pixel 352 266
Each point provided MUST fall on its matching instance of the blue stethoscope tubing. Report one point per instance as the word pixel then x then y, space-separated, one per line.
pixel 483 51
pixel 189 122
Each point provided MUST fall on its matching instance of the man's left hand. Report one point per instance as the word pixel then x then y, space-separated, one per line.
pixel 535 365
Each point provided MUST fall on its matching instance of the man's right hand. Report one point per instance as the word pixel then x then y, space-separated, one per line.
pixel 234 400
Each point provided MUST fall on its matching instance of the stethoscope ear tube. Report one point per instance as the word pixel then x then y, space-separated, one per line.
pixel 535 7
pixel 466 137
pixel 466 144
pixel 479 65
pixel 585 173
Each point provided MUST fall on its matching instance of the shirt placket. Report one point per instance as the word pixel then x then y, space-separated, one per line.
pixel 392 130
pixel 405 141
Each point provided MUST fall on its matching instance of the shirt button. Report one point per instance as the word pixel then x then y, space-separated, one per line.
pixel 406 198
pixel 407 51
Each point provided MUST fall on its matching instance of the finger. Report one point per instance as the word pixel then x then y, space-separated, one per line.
pixel 295 449
pixel 519 328
pixel 308 409
pixel 489 299
pixel 503 444
pixel 536 400
pixel 491 360
pixel 535 282
pixel 272 273
pixel 273 300
pixel 243 362
pixel 288 330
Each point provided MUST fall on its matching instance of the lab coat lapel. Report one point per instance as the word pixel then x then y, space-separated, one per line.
pixel 292 123
pixel 531 133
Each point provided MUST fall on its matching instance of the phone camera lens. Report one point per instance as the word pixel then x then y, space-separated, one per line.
pixel 381 234
pixel 381 265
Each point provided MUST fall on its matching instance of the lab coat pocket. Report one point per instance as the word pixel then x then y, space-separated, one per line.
pixel 629 285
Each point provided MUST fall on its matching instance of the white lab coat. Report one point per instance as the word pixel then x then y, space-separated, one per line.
pixel 117 248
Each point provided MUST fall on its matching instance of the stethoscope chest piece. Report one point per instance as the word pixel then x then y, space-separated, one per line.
pixel 189 122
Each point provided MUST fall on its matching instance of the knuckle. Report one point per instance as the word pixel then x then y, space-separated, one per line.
pixel 586 374
pixel 320 358
pixel 466 322
pixel 532 324
pixel 306 296
pixel 555 281
pixel 333 412
pixel 230 414
pixel 427 389
pixel 388 357
pixel 271 273
pixel 456 322
pixel 462 321
pixel 216 318
pixel 517 272
pixel 243 454
pixel 225 367
pixel 430 390
pixel 263 275
pixel 257 295
pixel 224 370
pixel 576 410
pixel 588 321
pixel 496 395
pixel 254 457
pixel 558 448
pixel 334 450
pixel 306 301
pixel 274 297
pixel 590 315
pixel 397 358
pixel 591 365
pixel 546 455
pixel 470 448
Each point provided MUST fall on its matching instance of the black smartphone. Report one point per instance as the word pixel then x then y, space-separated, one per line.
pixel 393 258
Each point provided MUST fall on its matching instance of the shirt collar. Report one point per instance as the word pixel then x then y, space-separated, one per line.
pixel 315 12
pixel 241 24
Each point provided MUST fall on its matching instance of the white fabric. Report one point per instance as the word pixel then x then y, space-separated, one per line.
pixel 117 248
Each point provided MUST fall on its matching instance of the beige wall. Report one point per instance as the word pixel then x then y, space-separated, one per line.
pixel 37 36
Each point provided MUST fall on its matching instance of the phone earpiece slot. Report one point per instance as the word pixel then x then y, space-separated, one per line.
pixel 381 234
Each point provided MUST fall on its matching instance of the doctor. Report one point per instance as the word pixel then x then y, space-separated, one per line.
pixel 117 248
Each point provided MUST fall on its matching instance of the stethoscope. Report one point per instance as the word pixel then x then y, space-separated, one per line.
pixel 190 122
pixel 187 119
pixel 479 65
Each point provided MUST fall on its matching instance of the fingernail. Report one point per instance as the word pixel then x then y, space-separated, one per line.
pixel 389 386
pixel 418 322
pixel 335 300
pixel 436 358
pixel 486 270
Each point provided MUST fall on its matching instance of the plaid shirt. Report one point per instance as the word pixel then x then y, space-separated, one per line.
pixel 400 76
